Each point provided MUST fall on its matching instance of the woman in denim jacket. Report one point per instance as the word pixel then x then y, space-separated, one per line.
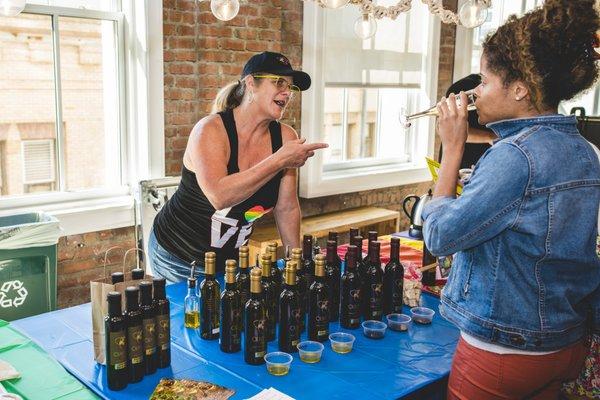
pixel 525 283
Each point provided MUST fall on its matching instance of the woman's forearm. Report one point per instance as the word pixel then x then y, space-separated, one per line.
pixel 288 225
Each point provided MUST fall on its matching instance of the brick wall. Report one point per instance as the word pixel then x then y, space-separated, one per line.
pixel 201 54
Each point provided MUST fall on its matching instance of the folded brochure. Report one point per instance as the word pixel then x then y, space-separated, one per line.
pixel 434 167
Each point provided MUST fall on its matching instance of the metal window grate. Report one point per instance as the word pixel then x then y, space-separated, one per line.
pixel 38 161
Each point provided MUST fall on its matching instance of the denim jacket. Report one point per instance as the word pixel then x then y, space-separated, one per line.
pixel 525 273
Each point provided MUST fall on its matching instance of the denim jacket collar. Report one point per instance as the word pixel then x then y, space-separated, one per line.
pixel 509 127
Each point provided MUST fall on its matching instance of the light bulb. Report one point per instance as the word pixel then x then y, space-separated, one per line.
pixel 225 9
pixel 11 8
pixel 335 3
pixel 365 26
pixel 473 13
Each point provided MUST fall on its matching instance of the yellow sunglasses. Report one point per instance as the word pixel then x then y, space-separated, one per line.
pixel 280 82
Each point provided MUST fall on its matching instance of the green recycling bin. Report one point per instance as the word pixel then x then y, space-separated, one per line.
pixel 28 247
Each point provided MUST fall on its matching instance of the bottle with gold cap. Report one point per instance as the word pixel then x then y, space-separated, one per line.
pixel 289 311
pixel 318 303
pixel 243 276
pixel 276 275
pixel 301 286
pixel 255 342
pixel 210 291
pixel 231 312
pixel 268 296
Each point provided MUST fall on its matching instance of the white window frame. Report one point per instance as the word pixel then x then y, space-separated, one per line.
pixel 140 70
pixel 356 175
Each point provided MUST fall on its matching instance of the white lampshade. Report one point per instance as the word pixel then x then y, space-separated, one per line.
pixel 473 13
pixel 225 9
pixel 11 8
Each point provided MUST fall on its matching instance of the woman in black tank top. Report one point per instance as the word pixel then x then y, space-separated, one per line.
pixel 240 163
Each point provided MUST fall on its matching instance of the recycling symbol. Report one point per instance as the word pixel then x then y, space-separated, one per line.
pixel 7 301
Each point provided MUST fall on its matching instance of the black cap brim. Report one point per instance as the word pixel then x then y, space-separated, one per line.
pixel 300 78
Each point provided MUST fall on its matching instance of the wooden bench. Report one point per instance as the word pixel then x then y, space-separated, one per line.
pixel 384 220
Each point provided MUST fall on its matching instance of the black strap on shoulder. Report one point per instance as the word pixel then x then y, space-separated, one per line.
pixel 275 131
pixel 229 122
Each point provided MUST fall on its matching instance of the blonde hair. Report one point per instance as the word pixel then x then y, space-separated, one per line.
pixel 230 96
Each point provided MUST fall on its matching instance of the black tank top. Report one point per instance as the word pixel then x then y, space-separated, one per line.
pixel 188 225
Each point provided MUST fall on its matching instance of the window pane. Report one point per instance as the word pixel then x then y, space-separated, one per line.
pixel 28 114
pixel 102 5
pixel 361 124
pixel 392 136
pixel 333 131
pixel 88 60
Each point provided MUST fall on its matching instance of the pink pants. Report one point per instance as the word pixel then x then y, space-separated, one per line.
pixel 481 375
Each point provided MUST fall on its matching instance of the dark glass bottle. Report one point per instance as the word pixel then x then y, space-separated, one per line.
pixel 135 334
pixel 319 307
pixel 255 343
pixel 333 274
pixel 289 311
pixel 163 323
pixel 372 289
pixel 243 276
pixel 351 292
pixel 268 296
pixel 117 371
pixel 334 237
pixel 393 280
pixel 149 322
pixel 231 312
pixel 428 277
pixel 276 276
pixel 301 286
pixel 210 291
pixel 364 264
pixel 353 233
pixel 356 240
pixel 137 273
pixel 308 263
pixel 372 236
pixel 117 277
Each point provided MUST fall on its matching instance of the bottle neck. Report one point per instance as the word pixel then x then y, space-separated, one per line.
pixel 375 257
pixel 114 309
pixel 191 291
pixel 307 251
pixel 230 286
pixel 395 251
pixel 331 253
pixel 132 303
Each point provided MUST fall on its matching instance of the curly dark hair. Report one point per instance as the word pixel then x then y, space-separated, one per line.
pixel 550 49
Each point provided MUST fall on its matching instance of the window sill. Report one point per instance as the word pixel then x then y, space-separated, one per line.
pixel 84 216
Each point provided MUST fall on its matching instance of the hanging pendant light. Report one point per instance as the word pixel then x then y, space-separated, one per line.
pixel 11 8
pixel 473 14
pixel 335 3
pixel 365 26
pixel 225 10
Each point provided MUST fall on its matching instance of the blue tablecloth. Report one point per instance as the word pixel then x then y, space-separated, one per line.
pixel 389 368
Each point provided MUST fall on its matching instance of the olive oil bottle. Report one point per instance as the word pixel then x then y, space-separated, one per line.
pixel 372 289
pixel 163 323
pixel 209 299
pixel 255 342
pixel 231 312
pixel 149 323
pixel 301 286
pixel 191 305
pixel 333 274
pixel 289 311
pixel 319 306
pixel 351 291
pixel 115 345
pixel 135 334
pixel 268 296
pixel 334 236
pixel 393 280
pixel 276 275
pixel 308 263
pixel 243 276
pixel 356 240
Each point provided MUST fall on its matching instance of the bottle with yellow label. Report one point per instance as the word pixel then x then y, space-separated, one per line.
pixel 243 276
pixel 318 303
pixel 149 323
pixel 268 296
pixel 289 311
pixel 135 335
pixel 163 322
pixel 301 286
pixel 117 371
pixel 210 291
pixel 231 312
pixel 255 342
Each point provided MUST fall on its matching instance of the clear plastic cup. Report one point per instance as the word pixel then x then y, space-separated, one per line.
pixel 422 315
pixel 398 322
pixel 341 342
pixel 310 351
pixel 374 329
pixel 278 363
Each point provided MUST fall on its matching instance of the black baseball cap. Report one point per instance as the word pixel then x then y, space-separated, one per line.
pixel 278 64
pixel 468 83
